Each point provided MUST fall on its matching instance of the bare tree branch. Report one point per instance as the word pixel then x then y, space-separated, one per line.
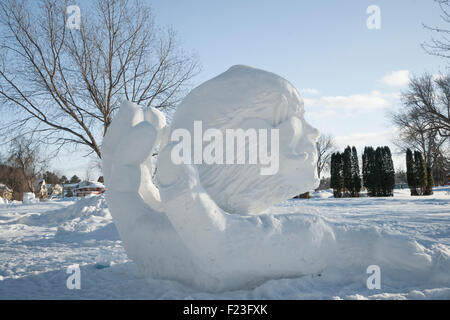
pixel 67 83
pixel 325 148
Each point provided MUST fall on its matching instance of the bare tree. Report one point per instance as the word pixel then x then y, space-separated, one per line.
pixel 22 166
pixel 63 85
pixel 325 148
pixel 440 46
pixel 427 100
pixel 423 124
pixel 413 133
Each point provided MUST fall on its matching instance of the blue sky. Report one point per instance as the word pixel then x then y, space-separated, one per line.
pixel 348 75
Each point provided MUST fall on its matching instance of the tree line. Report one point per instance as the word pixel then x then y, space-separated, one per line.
pixel 24 165
pixel 345 176
pixel 378 174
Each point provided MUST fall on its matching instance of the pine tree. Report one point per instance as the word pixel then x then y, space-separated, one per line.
pixel 355 173
pixel 336 181
pixel 420 172
pixel 63 180
pixel 333 183
pixel 388 173
pixel 366 169
pixel 75 179
pixel 430 183
pixel 347 171
pixel 340 176
pixel 378 171
pixel 369 174
pixel 410 172
pixel 69 193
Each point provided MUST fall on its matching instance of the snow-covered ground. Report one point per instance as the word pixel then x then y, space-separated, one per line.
pixel 410 237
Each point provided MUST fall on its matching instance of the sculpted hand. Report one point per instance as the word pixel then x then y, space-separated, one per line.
pixel 235 250
pixel 133 199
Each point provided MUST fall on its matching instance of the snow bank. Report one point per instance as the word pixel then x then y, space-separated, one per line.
pixel 84 215
pixel 408 237
pixel 29 197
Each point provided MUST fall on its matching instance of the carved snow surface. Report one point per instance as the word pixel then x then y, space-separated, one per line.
pixel 195 226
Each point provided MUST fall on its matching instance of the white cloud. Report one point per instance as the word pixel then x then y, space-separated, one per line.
pixel 373 100
pixel 396 78
pixel 355 102
pixel 317 115
pixel 360 140
pixel 309 102
pixel 309 91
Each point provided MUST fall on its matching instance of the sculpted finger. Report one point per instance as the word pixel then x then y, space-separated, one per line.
pixel 137 145
pixel 128 115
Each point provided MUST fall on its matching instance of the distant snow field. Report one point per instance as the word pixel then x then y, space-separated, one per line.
pixel 408 238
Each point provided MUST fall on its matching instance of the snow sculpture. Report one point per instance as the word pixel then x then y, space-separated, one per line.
pixel 243 98
pixel 195 226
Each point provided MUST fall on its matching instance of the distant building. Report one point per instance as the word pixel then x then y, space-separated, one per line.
pixel 5 192
pixel 69 186
pixel 89 188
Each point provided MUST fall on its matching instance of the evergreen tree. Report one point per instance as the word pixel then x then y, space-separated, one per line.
pixel 365 168
pixel 63 180
pixel 430 183
pixel 347 171
pixel 69 193
pixel 377 175
pixel 410 173
pixel 336 181
pixel 75 179
pixel 50 178
pixel 420 169
pixel 388 173
pixel 368 171
pixel 340 176
pixel 378 171
pixel 355 173
pixel 333 182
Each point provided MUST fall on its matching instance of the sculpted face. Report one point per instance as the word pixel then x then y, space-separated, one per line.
pixel 249 98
